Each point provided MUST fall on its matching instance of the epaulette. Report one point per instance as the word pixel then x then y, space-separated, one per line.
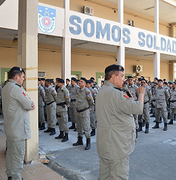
pixel 17 84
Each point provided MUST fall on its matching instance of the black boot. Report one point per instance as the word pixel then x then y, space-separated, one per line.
pixel 168 115
pixel 65 138
pixel 79 142
pixel 52 131
pixel 147 128
pixel 73 126
pixel 48 130
pixel 140 127
pixel 165 127
pixel 42 126
pixel 87 144
pixel 61 135
pixel 170 122
pixel 39 125
pixel 143 123
pixel 160 120
pixel 93 132
pixel 136 133
pixel 156 125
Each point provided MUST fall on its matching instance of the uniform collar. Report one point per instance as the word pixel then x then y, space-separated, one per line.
pixel 108 83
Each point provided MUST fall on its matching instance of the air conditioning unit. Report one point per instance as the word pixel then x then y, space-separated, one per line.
pixel 137 68
pixel 88 10
pixel 131 23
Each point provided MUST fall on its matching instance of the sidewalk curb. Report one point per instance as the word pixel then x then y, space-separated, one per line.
pixel 66 173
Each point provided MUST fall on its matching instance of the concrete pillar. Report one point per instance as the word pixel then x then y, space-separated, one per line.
pixel 28 60
pixel 156 65
pixel 66 44
pixel 121 48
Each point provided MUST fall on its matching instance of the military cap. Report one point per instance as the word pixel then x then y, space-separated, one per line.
pixel 88 82
pixel 92 78
pixel 169 82
pixel 39 79
pixel 125 82
pixel 68 79
pixel 144 80
pixel 155 83
pixel 52 81
pixel 113 67
pixel 48 80
pixel 43 79
pixel 165 83
pixel 74 79
pixel 84 79
pixel 60 80
pixel 160 80
pixel 139 79
pixel 156 78
pixel 130 77
pixel 15 68
pixel 77 80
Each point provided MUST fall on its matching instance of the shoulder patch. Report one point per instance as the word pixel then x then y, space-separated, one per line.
pixel 126 96
pixel 24 93
pixel 87 93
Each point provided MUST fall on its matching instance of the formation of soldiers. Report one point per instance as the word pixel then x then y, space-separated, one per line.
pixel 76 101
pixel 60 103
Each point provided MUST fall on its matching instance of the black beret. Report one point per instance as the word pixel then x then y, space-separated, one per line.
pixel 156 78
pixel 48 80
pixel 74 79
pixel 88 82
pixel 155 83
pixel 165 83
pixel 130 76
pixel 139 79
pixel 15 68
pixel 68 79
pixel 144 80
pixel 39 79
pixel 43 79
pixel 125 83
pixel 170 82
pixel 60 80
pixel 84 79
pixel 160 80
pixel 114 67
pixel 77 80
pixel 52 81
pixel 91 80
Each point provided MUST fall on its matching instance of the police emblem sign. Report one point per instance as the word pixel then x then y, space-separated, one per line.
pixel 46 19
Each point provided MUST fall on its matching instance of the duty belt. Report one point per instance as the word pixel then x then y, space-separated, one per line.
pixel 61 104
pixel 146 102
pixel 72 100
pixel 50 103
pixel 82 110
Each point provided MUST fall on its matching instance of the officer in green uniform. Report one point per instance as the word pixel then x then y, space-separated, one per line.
pixel 62 110
pixel 92 112
pixel 50 99
pixel 84 101
pixel 16 106
pixel 162 96
pixel 115 124
pixel 41 104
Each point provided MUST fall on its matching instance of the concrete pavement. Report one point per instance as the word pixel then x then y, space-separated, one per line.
pixel 153 158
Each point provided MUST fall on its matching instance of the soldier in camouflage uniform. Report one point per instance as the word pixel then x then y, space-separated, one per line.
pixel 84 101
pixel 41 104
pixel 50 99
pixel 62 101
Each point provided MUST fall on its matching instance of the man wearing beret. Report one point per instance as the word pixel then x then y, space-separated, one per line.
pixel 115 124
pixel 50 99
pixel 41 104
pixel 162 96
pixel 72 109
pixel 16 107
pixel 62 101
pixel 84 101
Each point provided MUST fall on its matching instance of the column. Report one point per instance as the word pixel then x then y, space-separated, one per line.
pixel 66 44
pixel 28 60
pixel 120 48
pixel 156 59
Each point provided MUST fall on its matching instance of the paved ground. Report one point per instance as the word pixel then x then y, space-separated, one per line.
pixel 153 159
